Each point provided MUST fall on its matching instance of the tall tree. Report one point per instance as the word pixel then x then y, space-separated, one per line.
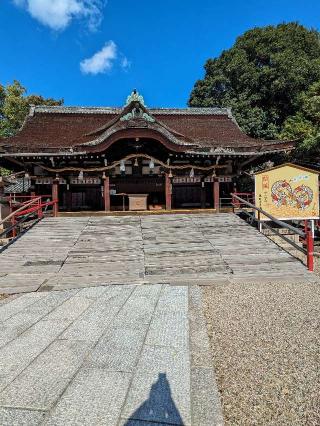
pixel 305 125
pixel 262 77
pixel 14 106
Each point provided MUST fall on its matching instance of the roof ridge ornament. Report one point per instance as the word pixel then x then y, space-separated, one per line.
pixel 137 111
pixel 135 97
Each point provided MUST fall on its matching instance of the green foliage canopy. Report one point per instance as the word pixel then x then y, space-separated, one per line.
pixel 14 106
pixel 262 77
pixel 305 125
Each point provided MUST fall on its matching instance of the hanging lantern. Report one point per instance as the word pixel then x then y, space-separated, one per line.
pixel 80 176
pixel 105 162
pixel 191 173
pixel 122 166
pixel 170 174
pixel 136 164
pixel 103 175
pixel 151 166
pixel 214 173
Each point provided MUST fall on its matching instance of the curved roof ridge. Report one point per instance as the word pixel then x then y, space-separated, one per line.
pixel 61 109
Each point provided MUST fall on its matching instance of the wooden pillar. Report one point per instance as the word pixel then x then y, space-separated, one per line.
pixel 55 196
pixel 106 193
pixel 216 194
pixel 168 189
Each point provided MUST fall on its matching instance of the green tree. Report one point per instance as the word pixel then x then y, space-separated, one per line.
pixel 14 106
pixel 262 77
pixel 305 125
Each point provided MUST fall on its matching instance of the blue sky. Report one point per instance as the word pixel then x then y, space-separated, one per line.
pixel 94 52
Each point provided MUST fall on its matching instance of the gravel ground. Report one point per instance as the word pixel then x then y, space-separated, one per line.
pixel 265 341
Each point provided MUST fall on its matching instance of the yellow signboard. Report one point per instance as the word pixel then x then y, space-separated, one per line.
pixel 288 192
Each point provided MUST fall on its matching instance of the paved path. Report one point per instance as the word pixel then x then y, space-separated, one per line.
pixel 114 355
pixel 122 340
pixel 66 253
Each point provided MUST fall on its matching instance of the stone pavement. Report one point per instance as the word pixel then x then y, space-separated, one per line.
pixel 122 340
pixel 114 355
pixel 65 253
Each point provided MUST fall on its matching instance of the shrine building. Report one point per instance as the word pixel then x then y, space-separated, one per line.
pixel 133 157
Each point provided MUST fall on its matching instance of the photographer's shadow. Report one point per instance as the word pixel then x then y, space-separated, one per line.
pixel 159 407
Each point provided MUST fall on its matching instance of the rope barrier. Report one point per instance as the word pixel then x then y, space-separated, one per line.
pixel 129 157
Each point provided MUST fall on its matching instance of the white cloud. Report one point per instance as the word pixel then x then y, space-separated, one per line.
pixel 125 63
pixel 101 61
pixel 57 14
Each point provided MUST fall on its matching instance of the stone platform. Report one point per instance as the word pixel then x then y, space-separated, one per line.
pixel 64 253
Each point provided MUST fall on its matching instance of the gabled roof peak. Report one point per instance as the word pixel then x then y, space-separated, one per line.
pixel 135 97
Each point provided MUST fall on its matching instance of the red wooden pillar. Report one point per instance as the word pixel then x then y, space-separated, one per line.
pixel 168 188
pixel 55 196
pixel 216 195
pixel 106 193
pixel 310 249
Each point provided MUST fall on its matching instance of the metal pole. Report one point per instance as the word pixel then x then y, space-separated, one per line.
pixel 259 222
pixel 312 228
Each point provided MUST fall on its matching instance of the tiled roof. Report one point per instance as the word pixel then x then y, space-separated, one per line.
pixel 62 128
pixel 118 110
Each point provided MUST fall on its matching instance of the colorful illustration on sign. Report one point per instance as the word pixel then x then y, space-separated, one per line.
pixel 288 192
pixel 283 195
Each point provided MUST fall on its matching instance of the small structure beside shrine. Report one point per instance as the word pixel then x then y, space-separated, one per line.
pixel 92 158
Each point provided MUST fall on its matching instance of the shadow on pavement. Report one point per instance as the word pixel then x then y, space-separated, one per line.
pixel 159 407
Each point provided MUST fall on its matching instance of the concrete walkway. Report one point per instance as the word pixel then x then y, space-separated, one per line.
pixel 115 355
pixel 64 253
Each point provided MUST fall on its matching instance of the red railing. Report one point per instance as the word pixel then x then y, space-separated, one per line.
pixel 25 207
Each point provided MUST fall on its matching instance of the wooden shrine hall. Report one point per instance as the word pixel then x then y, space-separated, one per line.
pixel 134 157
